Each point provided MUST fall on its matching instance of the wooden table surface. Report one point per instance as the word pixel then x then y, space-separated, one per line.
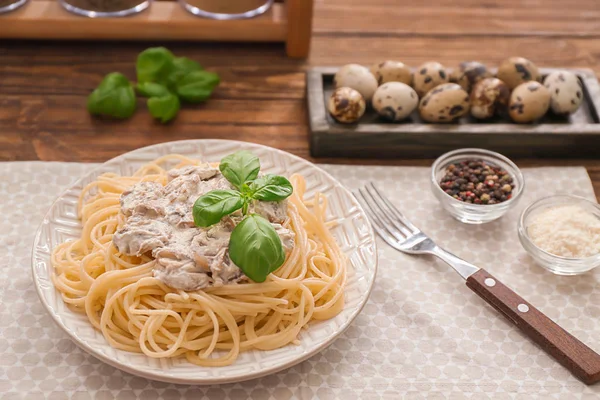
pixel 44 85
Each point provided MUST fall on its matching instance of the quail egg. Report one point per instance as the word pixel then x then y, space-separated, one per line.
pixel 529 102
pixel 489 97
pixel 428 76
pixel 395 101
pixel 469 73
pixel 565 91
pixel 444 103
pixel 517 70
pixel 346 105
pixel 391 71
pixel 358 78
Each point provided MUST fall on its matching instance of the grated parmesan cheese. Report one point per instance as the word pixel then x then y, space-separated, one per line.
pixel 566 231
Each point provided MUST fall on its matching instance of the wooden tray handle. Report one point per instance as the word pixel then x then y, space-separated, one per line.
pixel 578 358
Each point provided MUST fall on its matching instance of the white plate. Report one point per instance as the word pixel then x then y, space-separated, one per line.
pixel 354 235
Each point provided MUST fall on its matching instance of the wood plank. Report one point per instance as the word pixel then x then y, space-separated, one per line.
pixel 573 52
pixel 163 20
pixel 68 78
pixel 92 146
pixel 59 127
pixel 68 114
pixel 463 18
pixel 261 71
pixel 13 145
pixel 300 16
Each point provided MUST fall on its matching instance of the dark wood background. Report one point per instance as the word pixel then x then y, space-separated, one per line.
pixel 44 85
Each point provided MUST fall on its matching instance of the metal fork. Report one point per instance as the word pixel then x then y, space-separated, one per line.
pixel 397 231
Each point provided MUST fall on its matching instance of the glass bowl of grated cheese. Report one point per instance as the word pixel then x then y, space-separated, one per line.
pixel 562 234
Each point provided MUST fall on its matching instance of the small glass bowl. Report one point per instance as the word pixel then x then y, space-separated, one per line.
pixel 556 264
pixel 475 213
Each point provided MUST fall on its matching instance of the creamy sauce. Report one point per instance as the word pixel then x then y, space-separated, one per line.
pixel 159 222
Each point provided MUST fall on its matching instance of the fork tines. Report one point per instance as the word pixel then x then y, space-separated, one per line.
pixel 387 219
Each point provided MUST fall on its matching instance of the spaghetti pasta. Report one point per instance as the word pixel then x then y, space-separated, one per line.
pixel 137 312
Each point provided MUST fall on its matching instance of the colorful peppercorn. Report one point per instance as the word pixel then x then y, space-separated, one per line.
pixel 477 182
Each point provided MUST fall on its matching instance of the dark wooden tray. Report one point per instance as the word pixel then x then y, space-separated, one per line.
pixel 566 137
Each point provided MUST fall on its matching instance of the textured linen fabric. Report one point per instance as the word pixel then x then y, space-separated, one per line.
pixel 422 335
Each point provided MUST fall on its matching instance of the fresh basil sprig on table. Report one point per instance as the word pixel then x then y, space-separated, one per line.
pixel 164 108
pixel 254 245
pixel 165 79
pixel 114 96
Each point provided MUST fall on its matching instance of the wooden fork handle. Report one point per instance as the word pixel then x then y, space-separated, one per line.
pixel 578 358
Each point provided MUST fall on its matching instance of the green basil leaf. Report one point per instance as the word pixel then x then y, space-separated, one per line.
pixel 152 89
pixel 246 190
pixel 164 108
pixel 181 67
pixel 214 205
pixel 197 86
pixel 240 167
pixel 255 247
pixel 271 188
pixel 114 97
pixel 154 65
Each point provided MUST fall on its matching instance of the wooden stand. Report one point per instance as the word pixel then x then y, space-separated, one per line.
pixel 289 22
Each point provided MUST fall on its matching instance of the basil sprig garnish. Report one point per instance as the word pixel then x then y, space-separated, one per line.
pixel 114 97
pixel 254 245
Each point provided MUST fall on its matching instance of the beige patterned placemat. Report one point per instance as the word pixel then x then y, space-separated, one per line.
pixel 423 334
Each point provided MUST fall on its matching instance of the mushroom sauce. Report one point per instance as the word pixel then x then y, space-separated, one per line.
pixel 159 221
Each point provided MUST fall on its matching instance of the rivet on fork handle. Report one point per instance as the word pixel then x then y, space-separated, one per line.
pixel 578 358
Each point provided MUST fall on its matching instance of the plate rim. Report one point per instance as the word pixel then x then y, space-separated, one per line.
pixel 198 381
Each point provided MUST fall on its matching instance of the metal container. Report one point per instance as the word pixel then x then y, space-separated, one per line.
pixel 224 10
pixel 105 8
pixel 10 5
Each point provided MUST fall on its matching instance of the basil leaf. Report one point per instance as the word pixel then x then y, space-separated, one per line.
pixel 246 190
pixel 271 188
pixel 214 205
pixel 240 167
pixel 164 108
pixel 114 97
pixel 255 247
pixel 181 67
pixel 152 89
pixel 197 86
pixel 154 65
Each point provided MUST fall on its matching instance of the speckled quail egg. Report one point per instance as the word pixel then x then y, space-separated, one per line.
pixel 395 101
pixel 469 73
pixel 516 70
pixel 528 102
pixel 346 105
pixel 444 103
pixel 428 76
pixel 358 78
pixel 489 97
pixel 391 71
pixel 565 91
